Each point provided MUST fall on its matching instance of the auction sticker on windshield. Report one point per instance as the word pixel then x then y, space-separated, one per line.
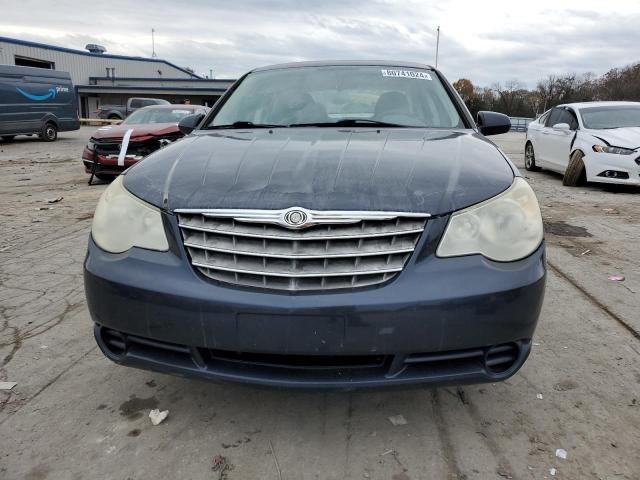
pixel 406 74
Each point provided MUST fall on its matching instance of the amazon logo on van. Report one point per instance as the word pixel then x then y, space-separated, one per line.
pixel 51 93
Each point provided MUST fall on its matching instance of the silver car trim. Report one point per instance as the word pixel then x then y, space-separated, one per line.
pixel 298 275
pixel 286 237
pixel 297 249
pixel 293 255
pixel 313 217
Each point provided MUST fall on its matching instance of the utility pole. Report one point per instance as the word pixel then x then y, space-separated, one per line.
pixel 153 44
pixel 437 45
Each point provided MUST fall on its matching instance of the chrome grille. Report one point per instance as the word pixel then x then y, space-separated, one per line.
pixel 339 250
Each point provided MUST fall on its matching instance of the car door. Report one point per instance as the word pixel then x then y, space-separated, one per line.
pixel 542 146
pixel 558 141
pixel 534 128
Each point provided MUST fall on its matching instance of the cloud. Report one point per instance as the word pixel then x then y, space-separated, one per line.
pixel 486 44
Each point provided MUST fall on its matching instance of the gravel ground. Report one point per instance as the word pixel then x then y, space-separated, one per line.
pixel 74 415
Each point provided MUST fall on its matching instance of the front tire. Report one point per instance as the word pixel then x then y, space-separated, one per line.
pixel 49 132
pixel 105 177
pixel 530 158
pixel 575 174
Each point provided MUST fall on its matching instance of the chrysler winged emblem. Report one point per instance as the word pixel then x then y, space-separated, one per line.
pixel 295 218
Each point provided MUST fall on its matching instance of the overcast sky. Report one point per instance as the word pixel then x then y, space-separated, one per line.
pixel 488 42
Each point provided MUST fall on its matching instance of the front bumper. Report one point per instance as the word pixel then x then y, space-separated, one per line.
pixel 106 164
pixel 596 164
pixel 454 320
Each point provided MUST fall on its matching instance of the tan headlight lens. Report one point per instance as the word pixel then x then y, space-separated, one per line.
pixel 122 221
pixel 504 228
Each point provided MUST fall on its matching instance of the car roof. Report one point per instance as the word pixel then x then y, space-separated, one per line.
pixel 580 105
pixel 346 63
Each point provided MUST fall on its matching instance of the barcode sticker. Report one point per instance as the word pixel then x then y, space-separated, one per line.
pixel 406 74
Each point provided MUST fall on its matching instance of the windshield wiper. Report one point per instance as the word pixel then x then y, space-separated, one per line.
pixel 349 122
pixel 246 124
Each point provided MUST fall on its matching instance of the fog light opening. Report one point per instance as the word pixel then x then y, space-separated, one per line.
pixel 614 174
pixel 501 358
pixel 114 342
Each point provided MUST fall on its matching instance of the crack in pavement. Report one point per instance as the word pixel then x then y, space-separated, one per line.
pixel 17 342
pixel 47 385
pixel 451 462
pixel 44 326
pixel 593 300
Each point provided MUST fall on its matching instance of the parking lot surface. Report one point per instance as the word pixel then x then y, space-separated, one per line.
pixel 75 415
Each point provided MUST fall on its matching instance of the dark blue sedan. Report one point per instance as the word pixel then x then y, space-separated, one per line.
pixel 326 225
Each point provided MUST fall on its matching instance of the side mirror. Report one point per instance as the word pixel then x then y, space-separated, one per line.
pixel 562 126
pixel 493 123
pixel 190 122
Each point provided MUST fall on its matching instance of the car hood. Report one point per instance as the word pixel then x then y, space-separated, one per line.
pixel 618 137
pixel 408 170
pixel 142 130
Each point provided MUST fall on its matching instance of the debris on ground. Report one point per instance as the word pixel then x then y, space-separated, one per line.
pixel 539 396
pixel 397 420
pixel 561 453
pixel 553 472
pixel 504 474
pixel 7 385
pixel 462 396
pixel 586 251
pixel 610 211
pixel 44 208
pixel 157 417
pixel 616 278
pixel 221 465
pixel 55 200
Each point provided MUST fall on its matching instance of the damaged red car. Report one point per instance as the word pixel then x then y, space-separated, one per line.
pixel 114 148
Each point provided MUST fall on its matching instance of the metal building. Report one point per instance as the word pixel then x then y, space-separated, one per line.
pixel 102 78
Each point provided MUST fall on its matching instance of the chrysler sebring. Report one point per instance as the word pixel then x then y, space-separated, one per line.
pixel 325 225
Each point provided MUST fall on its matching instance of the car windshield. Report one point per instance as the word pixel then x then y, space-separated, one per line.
pixel 157 115
pixel 611 117
pixel 342 95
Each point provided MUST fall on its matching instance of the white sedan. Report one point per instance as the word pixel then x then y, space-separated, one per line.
pixel 592 141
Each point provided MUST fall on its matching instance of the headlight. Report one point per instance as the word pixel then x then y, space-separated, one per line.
pixel 504 228
pixel 616 150
pixel 122 221
pixel 91 145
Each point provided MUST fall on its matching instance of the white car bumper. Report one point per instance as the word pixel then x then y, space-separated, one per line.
pixel 611 168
